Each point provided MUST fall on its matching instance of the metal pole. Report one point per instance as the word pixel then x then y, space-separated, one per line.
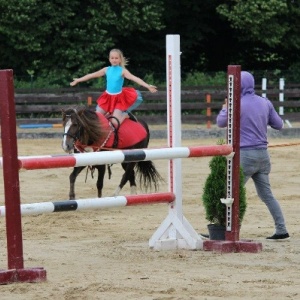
pixel 11 171
pixel 233 137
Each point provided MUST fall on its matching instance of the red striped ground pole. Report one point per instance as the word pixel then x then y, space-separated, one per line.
pixel 92 203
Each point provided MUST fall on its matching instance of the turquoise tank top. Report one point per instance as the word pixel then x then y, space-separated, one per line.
pixel 114 79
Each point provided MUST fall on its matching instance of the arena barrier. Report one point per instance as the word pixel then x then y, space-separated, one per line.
pixel 42 125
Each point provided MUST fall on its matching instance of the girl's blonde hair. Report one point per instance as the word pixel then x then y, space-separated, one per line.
pixel 124 60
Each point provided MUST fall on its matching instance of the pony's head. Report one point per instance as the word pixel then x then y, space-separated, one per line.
pixel 80 124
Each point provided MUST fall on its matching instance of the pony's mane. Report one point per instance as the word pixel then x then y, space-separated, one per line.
pixel 91 128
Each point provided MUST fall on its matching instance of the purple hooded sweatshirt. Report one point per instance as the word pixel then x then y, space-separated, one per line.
pixel 256 114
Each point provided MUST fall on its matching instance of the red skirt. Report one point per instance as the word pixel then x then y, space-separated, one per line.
pixel 120 101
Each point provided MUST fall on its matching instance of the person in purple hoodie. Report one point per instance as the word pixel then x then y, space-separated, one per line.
pixel 257 113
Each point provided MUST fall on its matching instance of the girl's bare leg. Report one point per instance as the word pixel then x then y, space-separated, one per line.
pixel 100 110
pixel 120 115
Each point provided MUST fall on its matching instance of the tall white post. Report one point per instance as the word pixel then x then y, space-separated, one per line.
pixel 264 87
pixel 174 118
pixel 281 95
pixel 175 232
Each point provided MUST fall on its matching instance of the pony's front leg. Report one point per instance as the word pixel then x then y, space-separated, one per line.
pixel 133 189
pixel 72 179
pixel 101 172
pixel 117 191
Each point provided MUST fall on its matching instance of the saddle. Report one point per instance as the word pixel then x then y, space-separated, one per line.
pixel 125 136
pixel 131 116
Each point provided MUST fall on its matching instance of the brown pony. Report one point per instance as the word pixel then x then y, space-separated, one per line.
pixel 86 130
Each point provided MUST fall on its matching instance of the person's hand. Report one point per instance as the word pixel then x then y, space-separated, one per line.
pixel 74 82
pixel 224 106
pixel 152 88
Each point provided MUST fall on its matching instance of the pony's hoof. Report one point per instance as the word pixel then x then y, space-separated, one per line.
pixel 117 192
pixel 133 190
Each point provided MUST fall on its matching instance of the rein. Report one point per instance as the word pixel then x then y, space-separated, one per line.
pixel 116 129
pixel 116 137
pixel 96 148
pixel 80 147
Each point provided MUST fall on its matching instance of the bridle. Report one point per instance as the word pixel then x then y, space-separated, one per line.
pixel 76 136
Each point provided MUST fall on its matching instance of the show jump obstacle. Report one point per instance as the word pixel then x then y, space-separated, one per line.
pixel 175 231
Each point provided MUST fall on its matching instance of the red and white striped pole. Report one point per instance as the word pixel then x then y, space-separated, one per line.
pixel 118 156
pixel 92 203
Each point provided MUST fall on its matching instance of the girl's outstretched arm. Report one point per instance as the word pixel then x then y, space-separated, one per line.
pixel 139 81
pixel 87 77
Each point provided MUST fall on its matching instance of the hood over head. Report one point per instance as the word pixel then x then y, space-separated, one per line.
pixel 247 83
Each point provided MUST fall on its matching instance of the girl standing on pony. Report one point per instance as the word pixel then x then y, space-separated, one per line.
pixel 117 100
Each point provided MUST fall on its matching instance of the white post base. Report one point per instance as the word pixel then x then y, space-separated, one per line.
pixel 174 234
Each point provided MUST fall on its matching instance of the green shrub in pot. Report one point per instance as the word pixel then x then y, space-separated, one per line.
pixel 215 189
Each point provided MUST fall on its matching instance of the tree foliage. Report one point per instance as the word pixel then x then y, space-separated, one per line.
pixel 59 39
pixel 267 30
pixel 56 38
pixel 265 26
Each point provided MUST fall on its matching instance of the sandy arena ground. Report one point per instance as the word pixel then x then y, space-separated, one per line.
pixel 104 254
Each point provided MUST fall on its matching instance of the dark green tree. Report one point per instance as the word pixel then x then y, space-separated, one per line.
pixel 60 39
pixel 267 32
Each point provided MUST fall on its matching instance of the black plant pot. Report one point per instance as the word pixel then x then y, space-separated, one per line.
pixel 216 232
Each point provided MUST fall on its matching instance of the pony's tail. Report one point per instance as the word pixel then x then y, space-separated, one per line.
pixel 149 177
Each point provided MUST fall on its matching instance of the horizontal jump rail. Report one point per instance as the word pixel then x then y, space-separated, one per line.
pixel 92 203
pixel 118 156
